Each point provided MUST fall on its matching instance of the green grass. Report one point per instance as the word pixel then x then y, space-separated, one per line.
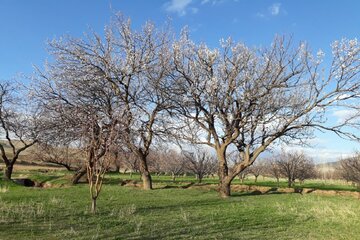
pixel 174 213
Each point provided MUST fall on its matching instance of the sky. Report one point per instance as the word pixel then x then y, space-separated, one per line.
pixel 26 26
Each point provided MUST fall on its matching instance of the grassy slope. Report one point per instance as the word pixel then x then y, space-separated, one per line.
pixel 126 213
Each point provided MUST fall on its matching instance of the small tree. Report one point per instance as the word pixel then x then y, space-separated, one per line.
pixel 350 169
pixel 18 125
pixel 174 163
pixel 272 168
pixel 242 175
pixel 257 169
pixel 200 162
pixel 295 165
pixel 78 106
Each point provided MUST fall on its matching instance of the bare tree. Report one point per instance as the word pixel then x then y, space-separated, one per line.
pixel 350 169
pixel 250 99
pixel 135 66
pixel 257 169
pixel 174 163
pixel 242 175
pixel 131 162
pixel 98 159
pixel 157 164
pixel 200 162
pixel 62 155
pixel 18 125
pixel 295 166
pixel 273 169
pixel 79 106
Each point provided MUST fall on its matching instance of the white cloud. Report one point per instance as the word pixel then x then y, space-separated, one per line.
pixel 212 2
pixel 343 115
pixel 179 7
pixel 319 154
pixel 274 9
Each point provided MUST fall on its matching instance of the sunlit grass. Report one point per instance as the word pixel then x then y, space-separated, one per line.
pixel 173 213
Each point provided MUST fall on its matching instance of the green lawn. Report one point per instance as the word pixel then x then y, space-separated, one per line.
pixel 174 213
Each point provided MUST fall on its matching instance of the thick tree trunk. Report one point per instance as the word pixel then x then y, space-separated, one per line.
pixel 278 182
pixel 224 185
pixel 76 177
pixel 145 174
pixel 173 176
pixel 256 177
pixel 225 189
pixel 8 171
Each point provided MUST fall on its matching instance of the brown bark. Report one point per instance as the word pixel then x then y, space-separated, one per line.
pixel 225 188
pixel 224 185
pixel 145 174
pixel 76 177
pixel 8 171
pixel 225 180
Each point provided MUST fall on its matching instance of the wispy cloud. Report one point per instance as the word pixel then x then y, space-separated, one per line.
pixel 274 9
pixel 319 154
pixel 181 7
pixel 212 2
pixel 346 115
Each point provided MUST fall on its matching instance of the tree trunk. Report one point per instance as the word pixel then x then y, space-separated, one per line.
pixel 76 177
pixel 278 182
pixel 147 181
pixel 8 171
pixel 199 178
pixel 224 189
pixel 289 182
pixel 256 178
pixel 93 205
pixel 224 185
pixel 173 177
pixel 145 174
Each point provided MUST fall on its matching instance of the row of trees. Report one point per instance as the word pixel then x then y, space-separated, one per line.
pixel 129 90
pixel 290 165
pixel 350 169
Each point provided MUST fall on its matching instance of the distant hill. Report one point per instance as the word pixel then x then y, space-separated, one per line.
pixel 328 164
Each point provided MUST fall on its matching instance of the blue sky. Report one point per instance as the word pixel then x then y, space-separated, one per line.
pixel 25 26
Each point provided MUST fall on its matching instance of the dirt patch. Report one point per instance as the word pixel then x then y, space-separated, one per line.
pixel 336 193
pixel 257 190
pixel 130 183
pixel 204 186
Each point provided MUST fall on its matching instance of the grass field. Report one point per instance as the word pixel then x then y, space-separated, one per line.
pixel 172 213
